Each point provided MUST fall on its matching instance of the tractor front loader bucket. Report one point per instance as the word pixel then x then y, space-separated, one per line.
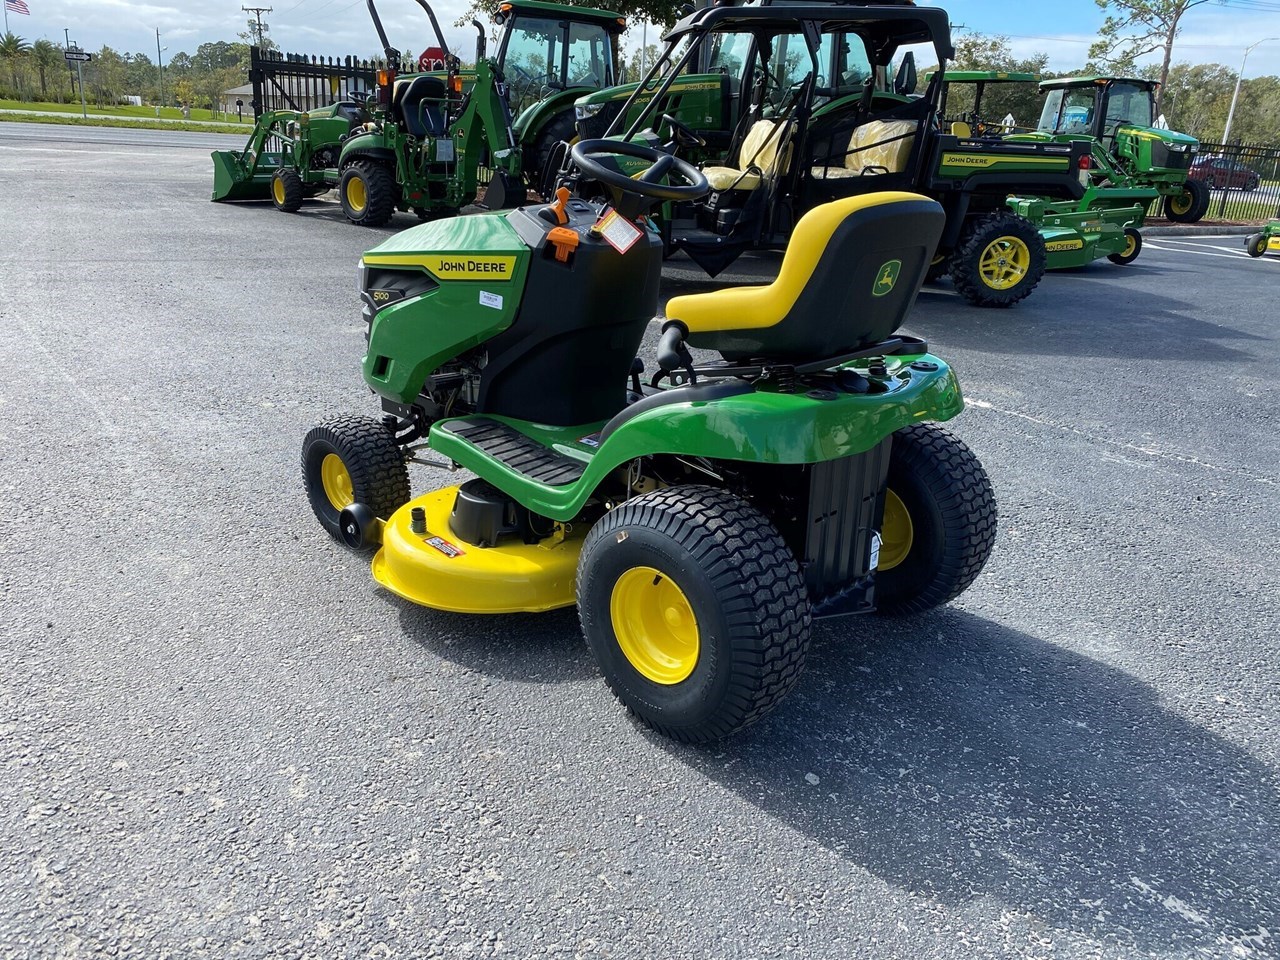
pixel 241 176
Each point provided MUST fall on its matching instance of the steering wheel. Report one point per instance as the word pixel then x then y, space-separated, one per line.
pixel 647 184
pixel 683 135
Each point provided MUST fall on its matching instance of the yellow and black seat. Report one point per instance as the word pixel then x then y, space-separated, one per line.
pixel 758 156
pixel 849 277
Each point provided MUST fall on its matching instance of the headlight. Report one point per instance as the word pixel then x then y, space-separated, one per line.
pixel 583 110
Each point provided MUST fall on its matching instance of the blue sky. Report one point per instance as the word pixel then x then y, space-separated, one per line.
pixel 1215 32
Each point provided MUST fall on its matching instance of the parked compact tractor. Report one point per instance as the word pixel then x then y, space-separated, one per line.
pixel 700 519
pixel 1116 115
pixel 422 141
pixel 797 139
pixel 1105 222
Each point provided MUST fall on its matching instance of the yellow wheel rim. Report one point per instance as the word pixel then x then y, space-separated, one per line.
pixel 277 190
pixel 655 625
pixel 336 482
pixel 896 532
pixel 1181 203
pixel 1130 247
pixel 1004 263
pixel 357 195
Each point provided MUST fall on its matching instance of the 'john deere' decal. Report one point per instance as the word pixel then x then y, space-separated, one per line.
pixel 450 266
pixel 1062 246
pixel 887 278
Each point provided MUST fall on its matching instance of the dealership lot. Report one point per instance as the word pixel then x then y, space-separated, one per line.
pixel 220 740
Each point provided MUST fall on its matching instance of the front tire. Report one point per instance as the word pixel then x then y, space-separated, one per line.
pixel 1133 247
pixel 347 460
pixel 1257 244
pixel 368 193
pixel 939 522
pixel 1000 261
pixel 695 610
pixel 287 190
pixel 1190 205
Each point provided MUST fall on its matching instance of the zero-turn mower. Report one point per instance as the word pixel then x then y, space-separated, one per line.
pixel 700 517
pixel 1265 240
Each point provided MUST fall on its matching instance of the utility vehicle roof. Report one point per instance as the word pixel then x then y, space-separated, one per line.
pixel 986 76
pixel 1095 82
pixel 884 26
pixel 614 21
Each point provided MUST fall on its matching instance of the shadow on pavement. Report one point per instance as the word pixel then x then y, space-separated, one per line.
pixel 961 760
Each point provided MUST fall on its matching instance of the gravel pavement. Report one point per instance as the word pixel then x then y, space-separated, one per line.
pixel 218 739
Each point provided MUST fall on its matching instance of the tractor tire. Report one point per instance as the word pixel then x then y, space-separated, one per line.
pixel 939 524
pixel 558 128
pixel 695 610
pixel 368 193
pixel 999 261
pixel 1257 244
pixel 1131 250
pixel 348 460
pixel 1191 205
pixel 287 190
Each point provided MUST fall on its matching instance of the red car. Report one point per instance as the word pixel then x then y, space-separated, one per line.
pixel 1224 172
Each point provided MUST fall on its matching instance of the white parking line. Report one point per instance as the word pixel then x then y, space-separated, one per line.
pixel 1201 253
pixel 1202 246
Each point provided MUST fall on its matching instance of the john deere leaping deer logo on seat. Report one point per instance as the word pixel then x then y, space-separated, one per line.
pixel 887 278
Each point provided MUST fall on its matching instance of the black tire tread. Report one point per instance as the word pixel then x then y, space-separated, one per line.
pixel 559 127
pixel 293 190
pixel 968 504
pixel 379 473
pixel 380 194
pixel 964 262
pixel 754 572
pixel 1200 200
pixel 1121 259
pixel 1257 244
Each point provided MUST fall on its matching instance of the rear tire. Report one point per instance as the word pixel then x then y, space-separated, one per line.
pixel 1130 252
pixel 368 193
pixel 348 459
pixel 694 609
pixel 950 524
pixel 1256 244
pixel 287 190
pixel 1191 205
pixel 999 261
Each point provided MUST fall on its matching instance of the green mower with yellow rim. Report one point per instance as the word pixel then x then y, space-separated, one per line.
pixel 700 516
pixel 1267 240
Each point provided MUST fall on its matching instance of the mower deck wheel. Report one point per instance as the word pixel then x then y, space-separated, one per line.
pixel 348 460
pixel 694 609
pixel 1133 247
pixel 999 261
pixel 368 193
pixel 1190 205
pixel 1257 244
pixel 939 521
pixel 287 190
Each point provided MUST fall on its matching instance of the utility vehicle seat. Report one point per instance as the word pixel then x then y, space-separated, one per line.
pixel 877 146
pixel 758 156
pixel 849 277
pixel 419 104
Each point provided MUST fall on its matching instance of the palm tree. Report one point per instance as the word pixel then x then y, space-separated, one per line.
pixel 13 48
pixel 47 56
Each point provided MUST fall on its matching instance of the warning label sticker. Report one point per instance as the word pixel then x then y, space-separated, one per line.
pixel 619 232
pixel 445 547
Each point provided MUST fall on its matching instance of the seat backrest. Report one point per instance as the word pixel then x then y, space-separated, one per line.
pixel 881 146
pixel 849 278
pixel 418 102
pixel 961 129
pixel 760 147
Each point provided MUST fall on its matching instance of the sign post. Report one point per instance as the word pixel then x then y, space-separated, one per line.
pixel 80 58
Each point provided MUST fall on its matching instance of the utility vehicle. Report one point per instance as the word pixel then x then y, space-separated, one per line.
pixel 423 141
pixel 1117 115
pixel 700 517
pixel 797 142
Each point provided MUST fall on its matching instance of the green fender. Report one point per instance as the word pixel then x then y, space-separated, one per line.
pixel 758 427
pixel 376 144
pixel 529 124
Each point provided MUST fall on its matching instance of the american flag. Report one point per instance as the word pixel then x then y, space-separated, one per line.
pixel 17 6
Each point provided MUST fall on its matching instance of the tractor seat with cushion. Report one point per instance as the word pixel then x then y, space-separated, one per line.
pixel 758 157
pixel 419 103
pixel 848 280
pixel 962 130
pixel 877 146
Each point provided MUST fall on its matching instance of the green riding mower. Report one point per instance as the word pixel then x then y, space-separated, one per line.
pixel 421 142
pixel 700 517
pixel 1267 240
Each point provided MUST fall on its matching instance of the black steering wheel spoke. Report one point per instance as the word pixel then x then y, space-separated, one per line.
pixel 633 195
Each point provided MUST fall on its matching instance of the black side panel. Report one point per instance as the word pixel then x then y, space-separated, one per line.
pixel 844 508
pixel 516 450
pixel 567 356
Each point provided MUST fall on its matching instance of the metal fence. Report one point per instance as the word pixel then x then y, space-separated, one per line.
pixel 289 81
pixel 1243 180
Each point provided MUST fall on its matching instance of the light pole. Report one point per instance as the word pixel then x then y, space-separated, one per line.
pixel 160 66
pixel 1226 134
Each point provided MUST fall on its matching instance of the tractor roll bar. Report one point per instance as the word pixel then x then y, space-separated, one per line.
pixel 391 53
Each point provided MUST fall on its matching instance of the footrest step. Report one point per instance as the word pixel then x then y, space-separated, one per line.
pixel 511 447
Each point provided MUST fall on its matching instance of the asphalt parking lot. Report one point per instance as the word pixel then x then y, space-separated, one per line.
pixel 220 740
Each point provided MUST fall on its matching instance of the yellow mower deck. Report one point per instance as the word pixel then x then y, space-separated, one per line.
pixel 436 569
